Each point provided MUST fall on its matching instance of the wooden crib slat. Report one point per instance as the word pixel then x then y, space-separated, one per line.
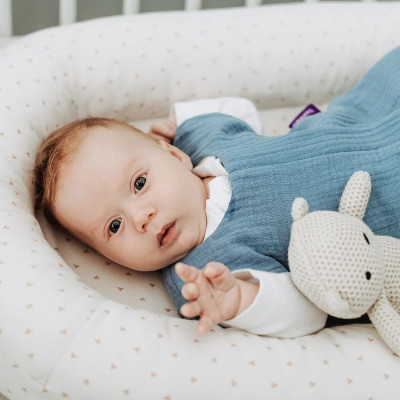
pixel 191 5
pixel 131 7
pixel 252 3
pixel 5 18
pixel 67 12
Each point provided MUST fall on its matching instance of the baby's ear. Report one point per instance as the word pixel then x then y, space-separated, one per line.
pixel 177 153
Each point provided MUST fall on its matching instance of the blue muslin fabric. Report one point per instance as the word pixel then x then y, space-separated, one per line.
pixel 359 131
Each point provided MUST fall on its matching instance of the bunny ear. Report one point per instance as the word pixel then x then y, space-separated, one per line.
pixel 299 208
pixel 356 195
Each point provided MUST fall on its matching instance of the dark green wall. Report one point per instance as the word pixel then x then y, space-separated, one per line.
pixel 31 15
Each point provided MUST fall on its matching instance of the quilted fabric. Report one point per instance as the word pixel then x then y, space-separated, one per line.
pixel 73 326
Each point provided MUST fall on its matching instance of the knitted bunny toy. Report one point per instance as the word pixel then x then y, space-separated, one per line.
pixel 342 267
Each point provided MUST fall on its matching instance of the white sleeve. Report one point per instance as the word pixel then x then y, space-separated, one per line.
pixel 235 106
pixel 279 309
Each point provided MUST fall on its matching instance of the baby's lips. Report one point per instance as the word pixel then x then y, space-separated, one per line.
pixel 164 231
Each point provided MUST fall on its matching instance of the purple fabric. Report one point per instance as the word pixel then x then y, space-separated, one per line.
pixel 309 110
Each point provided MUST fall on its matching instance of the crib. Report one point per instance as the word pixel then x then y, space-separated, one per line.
pixel 74 325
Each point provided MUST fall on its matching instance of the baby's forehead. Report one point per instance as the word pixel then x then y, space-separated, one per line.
pixel 118 134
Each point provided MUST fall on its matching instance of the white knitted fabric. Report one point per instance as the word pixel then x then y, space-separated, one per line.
pixel 342 267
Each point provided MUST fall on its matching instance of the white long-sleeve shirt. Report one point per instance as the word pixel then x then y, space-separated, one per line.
pixel 279 309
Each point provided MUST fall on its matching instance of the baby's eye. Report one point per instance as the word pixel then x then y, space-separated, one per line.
pixel 140 182
pixel 114 226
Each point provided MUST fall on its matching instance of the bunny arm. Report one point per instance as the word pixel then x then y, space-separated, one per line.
pixel 387 322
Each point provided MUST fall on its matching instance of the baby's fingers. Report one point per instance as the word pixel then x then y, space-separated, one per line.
pixel 219 275
pixel 164 128
pixel 190 291
pixel 204 325
pixel 191 310
pixel 186 272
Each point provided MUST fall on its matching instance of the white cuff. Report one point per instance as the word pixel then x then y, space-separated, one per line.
pixel 279 309
pixel 235 106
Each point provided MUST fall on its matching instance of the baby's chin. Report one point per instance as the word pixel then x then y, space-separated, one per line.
pixel 161 265
pixel 151 267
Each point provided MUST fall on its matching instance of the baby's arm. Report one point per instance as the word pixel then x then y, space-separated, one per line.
pixel 214 294
pixel 235 106
pixel 279 309
pixel 273 306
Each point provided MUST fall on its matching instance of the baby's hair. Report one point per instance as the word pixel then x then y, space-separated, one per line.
pixel 59 148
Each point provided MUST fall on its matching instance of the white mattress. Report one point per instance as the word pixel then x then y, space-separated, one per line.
pixel 72 324
pixel 6 41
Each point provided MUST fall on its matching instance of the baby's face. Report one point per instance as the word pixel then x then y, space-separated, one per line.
pixel 135 201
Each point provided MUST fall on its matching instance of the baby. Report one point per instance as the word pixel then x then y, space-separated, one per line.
pixel 136 199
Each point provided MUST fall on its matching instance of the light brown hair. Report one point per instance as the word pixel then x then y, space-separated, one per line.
pixel 56 150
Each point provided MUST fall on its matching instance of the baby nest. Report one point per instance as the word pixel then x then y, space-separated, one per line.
pixel 74 325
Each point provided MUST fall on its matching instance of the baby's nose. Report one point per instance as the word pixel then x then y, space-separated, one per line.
pixel 143 218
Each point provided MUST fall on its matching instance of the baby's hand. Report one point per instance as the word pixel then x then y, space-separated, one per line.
pixel 164 129
pixel 213 294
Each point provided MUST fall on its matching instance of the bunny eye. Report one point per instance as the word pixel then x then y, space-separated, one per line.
pixel 368 275
pixel 366 238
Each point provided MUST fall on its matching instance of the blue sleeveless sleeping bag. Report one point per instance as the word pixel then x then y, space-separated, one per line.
pixel 359 131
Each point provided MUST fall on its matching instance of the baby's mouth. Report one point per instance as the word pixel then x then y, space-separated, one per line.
pixel 166 235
